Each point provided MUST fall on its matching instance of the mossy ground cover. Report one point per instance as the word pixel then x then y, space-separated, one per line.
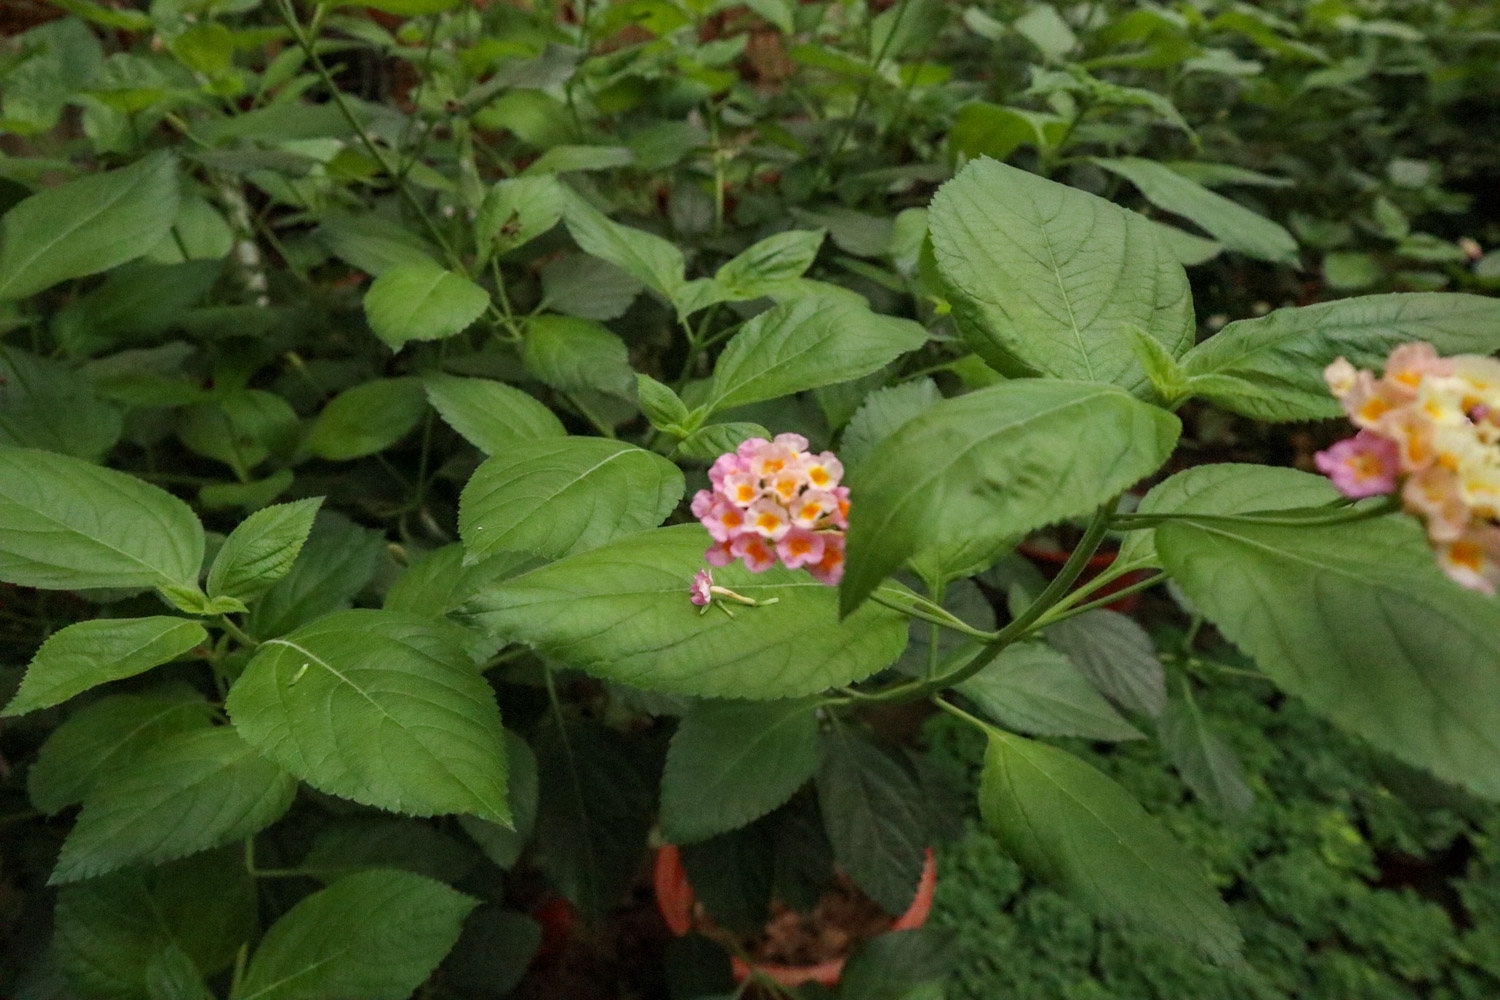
pixel 1351 878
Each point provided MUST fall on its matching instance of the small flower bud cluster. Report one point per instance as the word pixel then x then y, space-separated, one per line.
pixel 774 500
pixel 1429 427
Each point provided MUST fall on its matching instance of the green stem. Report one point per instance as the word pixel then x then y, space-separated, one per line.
pixel 912 607
pixel 1294 517
pixel 1055 616
pixel 1019 627
pixel 864 93
pixel 240 634
pixel 959 713
pixel 289 15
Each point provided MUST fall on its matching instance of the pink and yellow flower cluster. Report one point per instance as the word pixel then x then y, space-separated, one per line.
pixel 775 500
pixel 1430 427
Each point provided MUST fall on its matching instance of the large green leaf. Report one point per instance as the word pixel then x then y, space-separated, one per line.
pixel 733 762
pixel 870 806
pixel 335 563
pixel 1049 279
pixel 1227 221
pixel 565 495
pixel 1116 655
pixel 994 464
pixel 594 814
pixel 103 737
pixel 379 707
pixel 50 405
pixel 422 301
pixel 516 211
pixel 109 931
pixel 503 845
pixel 807 343
pixel 66 524
pixel 1357 620
pixel 1228 488
pixel 1205 761
pixel 882 414
pixel 368 418
pixel 645 256
pixel 1075 828
pixel 440 582
pixel 622 612
pixel 86 226
pixel 376 935
pixel 191 792
pixel 1271 368
pixel 86 654
pixel 1036 689
pixel 570 354
pixel 261 550
pixel 490 415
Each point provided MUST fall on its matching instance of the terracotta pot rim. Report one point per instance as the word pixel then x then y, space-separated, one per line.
pixel 674 898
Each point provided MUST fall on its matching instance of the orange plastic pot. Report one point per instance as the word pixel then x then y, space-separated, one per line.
pixel 674 897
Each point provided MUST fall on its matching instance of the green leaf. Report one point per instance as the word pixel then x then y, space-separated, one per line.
pixel 659 403
pixel 594 813
pixel 361 843
pixel 1116 655
pixel 562 496
pixel 1189 250
pixel 732 762
pixel 50 405
pixel 366 419
pixel 806 343
pixel 708 443
pixel 261 550
pixel 103 737
pixel 87 225
pixel 109 931
pixel 1227 221
pixel 882 414
pixel 86 654
pixel 376 935
pixel 1044 27
pixel 383 708
pixel 621 612
pixel 579 285
pixel 892 965
pixel 439 582
pixel 370 242
pixel 760 268
pixel 996 131
pixel 869 804
pixel 191 792
pixel 1357 620
pixel 66 524
pixel 645 256
pixel 571 159
pixel 1046 278
pixel 241 429
pixel 516 211
pixel 422 302
pixel 494 952
pixel 1036 689
pixel 1204 760
pixel 490 415
pixel 993 464
pixel 501 845
pixel 1270 368
pixel 1076 829
pixel 570 354
pixel 171 975
pixel 1229 488
pixel 409 8
pixel 335 563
